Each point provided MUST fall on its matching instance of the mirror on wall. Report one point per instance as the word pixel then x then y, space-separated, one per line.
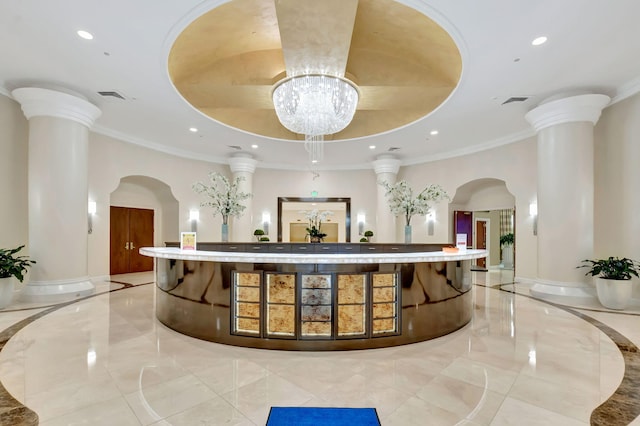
pixel 292 223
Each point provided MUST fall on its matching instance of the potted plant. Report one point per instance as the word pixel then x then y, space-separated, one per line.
pixel 367 235
pixel 613 279
pixel 315 218
pixel 506 246
pixel 12 267
pixel 507 239
pixel 224 197
pixel 402 201
pixel 258 233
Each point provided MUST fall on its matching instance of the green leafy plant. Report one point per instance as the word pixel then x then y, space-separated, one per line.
pixel 264 239
pixel 12 265
pixel 258 233
pixel 364 240
pixel 613 268
pixel 368 234
pixel 507 239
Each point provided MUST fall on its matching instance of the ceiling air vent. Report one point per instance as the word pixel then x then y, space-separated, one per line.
pixel 235 147
pixel 393 148
pixel 515 99
pixel 112 94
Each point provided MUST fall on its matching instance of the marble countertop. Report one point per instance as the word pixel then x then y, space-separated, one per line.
pixel 347 258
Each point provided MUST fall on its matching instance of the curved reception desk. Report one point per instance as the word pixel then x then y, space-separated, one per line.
pixel 313 296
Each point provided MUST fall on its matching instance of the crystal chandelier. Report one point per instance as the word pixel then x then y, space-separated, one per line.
pixel 315 104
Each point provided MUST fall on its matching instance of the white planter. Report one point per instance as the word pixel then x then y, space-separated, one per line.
pixel 7 289
pixel 614 294
pixel 507 256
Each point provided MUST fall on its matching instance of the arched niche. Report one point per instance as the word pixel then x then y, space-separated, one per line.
pixel 488 201
pixel 144 192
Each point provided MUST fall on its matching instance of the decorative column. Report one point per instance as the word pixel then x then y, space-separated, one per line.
pixel 565 192
pixel 59 126
pixel 386 168
pixel 243 165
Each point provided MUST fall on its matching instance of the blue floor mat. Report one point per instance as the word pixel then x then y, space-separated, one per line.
pixel 312 416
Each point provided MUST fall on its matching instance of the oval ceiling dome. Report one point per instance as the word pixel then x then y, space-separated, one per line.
pixel 226 62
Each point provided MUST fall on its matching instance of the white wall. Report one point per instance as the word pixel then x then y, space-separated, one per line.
pixel 359 185
pixel 14 223
pixel 617 177
pixel 617 150
pixel 515 164
pixel 111 160
pixel 617 182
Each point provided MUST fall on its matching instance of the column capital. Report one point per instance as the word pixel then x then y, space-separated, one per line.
pixel 45 102
pixel 386 164
pixel 567 110
pixel 242 163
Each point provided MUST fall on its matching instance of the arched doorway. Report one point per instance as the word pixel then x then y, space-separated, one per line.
pixel 143 212
pixel 484 210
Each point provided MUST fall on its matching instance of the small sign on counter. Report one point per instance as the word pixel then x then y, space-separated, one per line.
pixel 461 242
pixel 187 241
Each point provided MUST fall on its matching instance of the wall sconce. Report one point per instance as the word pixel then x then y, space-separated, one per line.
pixel 194 217
pixel 533 211
pixel 92 208
pixel 361 220
pixel 266 220
pixel 431 220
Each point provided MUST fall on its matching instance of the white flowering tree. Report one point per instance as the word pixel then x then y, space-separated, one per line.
pixel 223 196
pixel 402 200
pixel 315 218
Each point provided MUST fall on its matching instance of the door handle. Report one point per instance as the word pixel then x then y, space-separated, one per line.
pixel 126 246
pixel 131 246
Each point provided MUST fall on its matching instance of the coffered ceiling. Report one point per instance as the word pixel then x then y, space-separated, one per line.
pixel 421 65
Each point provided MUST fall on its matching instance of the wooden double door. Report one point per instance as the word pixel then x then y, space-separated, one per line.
pixel 130 229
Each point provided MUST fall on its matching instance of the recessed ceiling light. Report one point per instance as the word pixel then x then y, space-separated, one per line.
pixel 434 132
pixel 85 34
pixel 539 40
pixel 193 129
pixel 372 147
pixel 254 146
pixel 314 161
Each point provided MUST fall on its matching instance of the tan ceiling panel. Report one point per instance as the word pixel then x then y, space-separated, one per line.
pixel 226 62
pixel 316 35
pixel 225 96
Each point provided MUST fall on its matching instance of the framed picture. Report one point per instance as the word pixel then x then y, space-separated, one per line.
pixel 187 241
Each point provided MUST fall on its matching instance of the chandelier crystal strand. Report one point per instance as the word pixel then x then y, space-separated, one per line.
pixel 315 147
pixel 315 105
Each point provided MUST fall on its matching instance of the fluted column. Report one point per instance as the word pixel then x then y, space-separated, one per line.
pixel 243 165
pixel 386 168
pixel 565 192
pixel 59 126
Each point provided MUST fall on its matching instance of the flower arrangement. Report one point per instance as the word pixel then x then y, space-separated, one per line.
pixel 315 218
pixel 223 195
pixel 403 202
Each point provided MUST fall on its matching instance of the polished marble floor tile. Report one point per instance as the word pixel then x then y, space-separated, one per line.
pixel 107 360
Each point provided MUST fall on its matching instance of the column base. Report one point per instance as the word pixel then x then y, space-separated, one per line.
pixel 56 291
pixel 559 290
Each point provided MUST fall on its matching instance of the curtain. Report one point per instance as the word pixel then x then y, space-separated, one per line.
pixel 506 221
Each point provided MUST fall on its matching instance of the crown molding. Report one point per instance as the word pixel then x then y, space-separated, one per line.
pixel 37 102
pixel 568 110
